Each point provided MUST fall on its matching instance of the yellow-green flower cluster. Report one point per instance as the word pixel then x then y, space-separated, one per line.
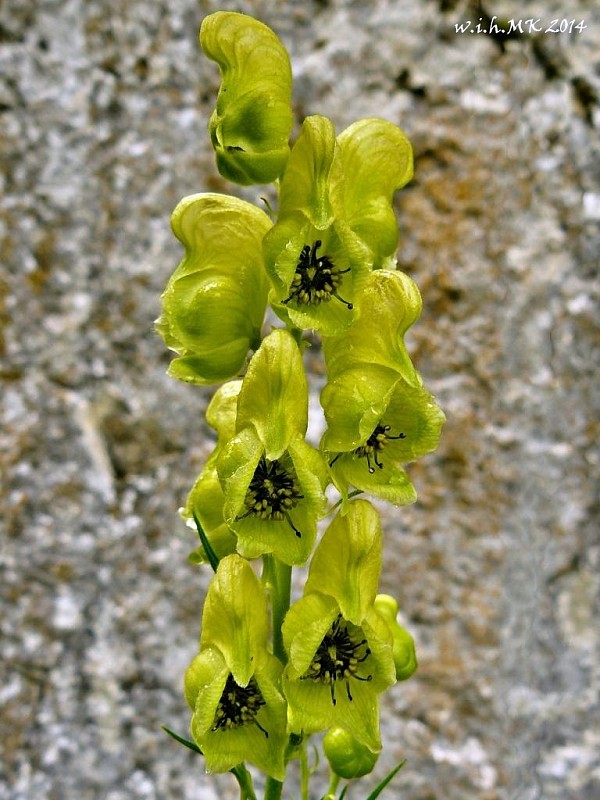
pixel 270 673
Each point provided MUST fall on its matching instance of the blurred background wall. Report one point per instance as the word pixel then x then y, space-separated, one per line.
pixel 103 113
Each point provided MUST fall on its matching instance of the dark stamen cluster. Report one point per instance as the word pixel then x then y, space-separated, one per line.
pixel 374 444
pixel 316 279
pixel 238 706
pixel 338 657
pixel 272 493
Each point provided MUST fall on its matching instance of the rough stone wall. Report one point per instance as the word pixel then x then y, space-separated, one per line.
pixel 103 111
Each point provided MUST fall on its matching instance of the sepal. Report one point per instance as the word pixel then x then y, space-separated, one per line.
pixel 316 262
pixel 251 124
pixel 274 395
pixel 206 500
pixel 316 703
pixel 389 305
pixel 346 564
pixel 306 184
pixel 214 303
pixel 408 428
pixel 378 157
pixel 243 469
pixel 261 740
pixel 205 503
pixel 235 617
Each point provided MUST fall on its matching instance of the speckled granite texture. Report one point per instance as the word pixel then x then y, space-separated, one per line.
pixel 103 112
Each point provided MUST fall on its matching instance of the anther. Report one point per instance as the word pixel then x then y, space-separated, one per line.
pixel 374 444
pixel 316 279
pixel 273 492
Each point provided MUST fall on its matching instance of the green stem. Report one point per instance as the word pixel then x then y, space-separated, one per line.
pixel 280 585
pixel 354 493
pixel 333 784
pixel 244 779
pixel 297 333
pixel 273 789
pixel 304 774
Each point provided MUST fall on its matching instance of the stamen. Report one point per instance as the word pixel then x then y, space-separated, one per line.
pixel 374 444
pixel 316 280
pixel 239 706
pixel 273 492
pixel 338 657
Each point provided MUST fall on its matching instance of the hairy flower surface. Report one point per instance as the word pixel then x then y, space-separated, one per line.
pixel 339 646
pixel 214 303
pixel 251 124
pixel 232 684
pixel 272 480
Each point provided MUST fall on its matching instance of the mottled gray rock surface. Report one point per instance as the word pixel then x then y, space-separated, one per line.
pixel 103 111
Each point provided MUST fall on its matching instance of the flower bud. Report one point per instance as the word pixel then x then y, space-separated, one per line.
pixel 347 757
pixel 403 648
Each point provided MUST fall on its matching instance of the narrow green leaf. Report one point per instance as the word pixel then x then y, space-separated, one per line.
pixel 210 553
pixel 380 787
pixel 185 742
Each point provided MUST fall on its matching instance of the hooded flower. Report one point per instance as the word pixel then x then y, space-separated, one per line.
pixel 272 480
pixel 251 124
pixel 336 221
pixel 232 684
pixel 378 414
pixel 214 303
pixel 339 646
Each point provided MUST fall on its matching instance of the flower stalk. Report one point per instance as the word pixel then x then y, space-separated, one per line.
pixel 278 581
